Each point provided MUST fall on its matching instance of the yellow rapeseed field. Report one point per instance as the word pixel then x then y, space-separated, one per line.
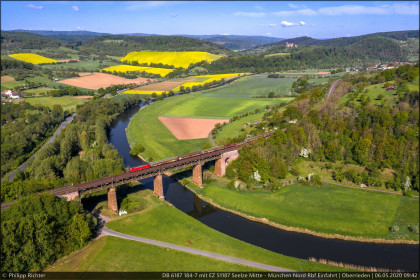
pixel 130 68
pixel 177 59
pixel 33 58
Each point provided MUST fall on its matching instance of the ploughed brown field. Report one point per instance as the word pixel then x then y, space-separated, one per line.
pixel 186 128
pixel 101 80
pixel 5 79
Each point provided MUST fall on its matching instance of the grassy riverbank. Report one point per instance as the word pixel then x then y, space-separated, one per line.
pixel 327 210
pixel 160 221
pixel 109 254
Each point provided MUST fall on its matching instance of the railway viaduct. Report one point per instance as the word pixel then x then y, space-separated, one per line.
pixel 223 155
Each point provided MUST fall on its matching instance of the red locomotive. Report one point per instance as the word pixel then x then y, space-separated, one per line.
pixel 132 169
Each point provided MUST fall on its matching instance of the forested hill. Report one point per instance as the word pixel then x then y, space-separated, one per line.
pixel 365 53
pixel 66 35
pixel 21 40
pixel 120 45
pixel 117 45
pixel 237 42
pixel 346 41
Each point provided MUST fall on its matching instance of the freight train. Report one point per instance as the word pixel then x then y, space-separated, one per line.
pixel 173 159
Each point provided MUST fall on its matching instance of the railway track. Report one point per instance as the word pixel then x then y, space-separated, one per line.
pixel 156 168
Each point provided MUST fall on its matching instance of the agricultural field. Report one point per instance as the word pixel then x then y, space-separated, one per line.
pixel 101 80
pixel 33 58
pixel 218 103
pixel 5 79
pixel 221 107
pixel 255 85
pixel 327 209
pixel 131 68
pixel 68 103
pixel 37 91
pixel 159 143
pixel 190 128
pixel 176 84
pixel 10 85
pixel 233 129
pixel 177 59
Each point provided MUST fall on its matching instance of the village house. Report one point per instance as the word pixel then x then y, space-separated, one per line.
pixel 11 94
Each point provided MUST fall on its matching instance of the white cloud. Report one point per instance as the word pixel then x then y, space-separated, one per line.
pixel 290 24
pixel 406 9
pixel 259 8
pixel 354 10
pixel 76 8
pixel 268 34
pixel 133 6
pixel 284 13
pixel 246 14
pixel 397 8
pixel 307 12
pixel 174 15
pixel 287 24
pixel 34 7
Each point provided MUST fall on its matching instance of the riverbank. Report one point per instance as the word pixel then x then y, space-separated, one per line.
pixel 160 220
pixel 245 208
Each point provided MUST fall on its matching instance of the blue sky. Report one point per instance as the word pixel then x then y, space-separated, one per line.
pixel 280 19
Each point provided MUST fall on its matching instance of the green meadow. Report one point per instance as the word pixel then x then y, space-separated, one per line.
pixel 67 102
pixel 176 227
pixel 109 254
pixel 221 107
pixel 327 209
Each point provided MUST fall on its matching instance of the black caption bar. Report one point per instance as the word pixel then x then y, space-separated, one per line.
pixel 211 275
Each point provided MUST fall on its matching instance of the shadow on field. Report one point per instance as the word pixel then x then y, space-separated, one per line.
pixel 91 201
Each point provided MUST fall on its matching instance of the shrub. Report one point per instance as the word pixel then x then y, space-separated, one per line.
pixel 137 150
pixel 414 229
pixel 394 228
pixel 184 181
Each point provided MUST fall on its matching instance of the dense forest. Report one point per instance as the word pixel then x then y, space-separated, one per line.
pixel 79 154
pixel 39 229
pixel 375 137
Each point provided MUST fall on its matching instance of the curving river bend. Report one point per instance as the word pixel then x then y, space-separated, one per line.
pixel 390 256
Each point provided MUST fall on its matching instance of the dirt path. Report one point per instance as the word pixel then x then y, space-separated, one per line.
pixel 107 231
pixel 332 88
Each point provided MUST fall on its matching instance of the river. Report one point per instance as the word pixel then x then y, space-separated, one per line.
pixel 303 246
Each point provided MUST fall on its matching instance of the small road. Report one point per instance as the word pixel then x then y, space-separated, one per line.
pixel 107 231
pixel 332 88
pixel 211 140
pixel 24 165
